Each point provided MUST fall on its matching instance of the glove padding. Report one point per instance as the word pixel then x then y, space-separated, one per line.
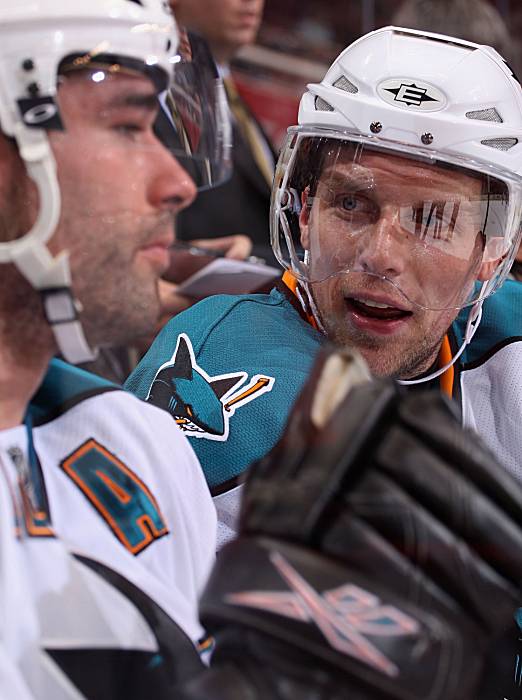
pixel 380 549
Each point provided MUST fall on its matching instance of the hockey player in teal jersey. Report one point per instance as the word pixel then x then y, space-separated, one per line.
pixel 396 214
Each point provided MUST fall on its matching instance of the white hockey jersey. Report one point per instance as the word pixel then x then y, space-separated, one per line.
pixel 126 494
pixel 70 627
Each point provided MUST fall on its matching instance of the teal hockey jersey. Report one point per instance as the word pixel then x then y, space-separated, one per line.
pixel 229 369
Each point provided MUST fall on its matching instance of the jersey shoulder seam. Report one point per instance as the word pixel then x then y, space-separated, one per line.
pixel 265 301
pixel 68 404
pixel 490 353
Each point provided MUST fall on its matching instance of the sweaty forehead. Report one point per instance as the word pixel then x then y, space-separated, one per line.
pixel 370 167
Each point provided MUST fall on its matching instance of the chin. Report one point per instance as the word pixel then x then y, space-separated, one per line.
pixel 123 321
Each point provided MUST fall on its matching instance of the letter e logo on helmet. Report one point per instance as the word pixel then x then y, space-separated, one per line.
pixel 411 94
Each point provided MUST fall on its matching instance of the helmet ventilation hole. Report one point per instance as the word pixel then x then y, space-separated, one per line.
pixel 322 106
pixel 501 144
pixel 487 115
pixel 344 84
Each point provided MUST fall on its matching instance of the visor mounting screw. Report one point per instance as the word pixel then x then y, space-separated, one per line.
pixel 28 64
pixel 375 127
pixel 427 138
pixel 33 89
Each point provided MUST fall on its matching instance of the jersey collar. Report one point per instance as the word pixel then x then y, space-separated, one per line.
pixel 290 284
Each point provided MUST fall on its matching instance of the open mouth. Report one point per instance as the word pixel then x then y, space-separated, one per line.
pixel 376 310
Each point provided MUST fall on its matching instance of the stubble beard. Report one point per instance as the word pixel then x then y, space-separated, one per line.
pixel 385 357
pixel 120 302
pixel 25 335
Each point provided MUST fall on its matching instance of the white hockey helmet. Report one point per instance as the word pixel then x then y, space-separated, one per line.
pixel 40 41
pixel 449 111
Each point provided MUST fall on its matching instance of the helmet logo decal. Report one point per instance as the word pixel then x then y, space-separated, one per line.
pixel 411 94
pixel 40 113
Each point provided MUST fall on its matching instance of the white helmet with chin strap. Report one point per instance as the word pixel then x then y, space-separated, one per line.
pixel 35 37
pixel 442 103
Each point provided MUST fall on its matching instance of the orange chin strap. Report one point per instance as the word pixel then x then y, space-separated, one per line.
pixel 446 380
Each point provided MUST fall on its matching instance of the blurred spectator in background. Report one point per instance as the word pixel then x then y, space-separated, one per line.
pixel 240 206
pixel 473 20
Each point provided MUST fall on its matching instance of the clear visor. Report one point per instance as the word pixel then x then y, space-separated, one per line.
pixel 429 228
pixel 116 178
pixel 193 121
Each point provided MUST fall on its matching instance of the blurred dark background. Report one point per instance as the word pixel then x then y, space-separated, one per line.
pixel 298 39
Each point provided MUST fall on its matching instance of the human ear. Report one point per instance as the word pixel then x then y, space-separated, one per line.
pixel 492 257
pixel 487 269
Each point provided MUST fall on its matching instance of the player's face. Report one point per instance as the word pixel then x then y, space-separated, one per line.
pixel 120 190
pixel 227 23
pixel 377 305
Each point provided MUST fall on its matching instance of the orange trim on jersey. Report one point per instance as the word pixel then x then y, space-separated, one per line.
pixel 117 490
pixel 206 644
pixel 31 517
pixel 445 356
pixel 291 282
pixel 145 524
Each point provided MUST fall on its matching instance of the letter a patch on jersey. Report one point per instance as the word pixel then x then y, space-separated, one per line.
pixel 118 494
pixel 200 404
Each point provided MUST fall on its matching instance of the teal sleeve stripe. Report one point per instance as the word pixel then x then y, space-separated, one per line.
pixel 63 386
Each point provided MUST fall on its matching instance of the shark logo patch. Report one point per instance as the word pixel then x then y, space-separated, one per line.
pixel 202 405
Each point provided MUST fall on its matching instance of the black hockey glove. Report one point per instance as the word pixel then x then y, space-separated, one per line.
pixel 379 556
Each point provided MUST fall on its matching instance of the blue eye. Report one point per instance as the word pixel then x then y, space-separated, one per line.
pixel 349 202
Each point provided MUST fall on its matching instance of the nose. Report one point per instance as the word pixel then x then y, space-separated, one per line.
pixel 381 249
pixel 171 187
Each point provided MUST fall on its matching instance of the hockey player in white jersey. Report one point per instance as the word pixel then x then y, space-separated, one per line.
pixel 71 627
pixel 97 112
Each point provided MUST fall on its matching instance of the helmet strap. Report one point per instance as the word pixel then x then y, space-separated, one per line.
pixel 48 275
pixel 473 322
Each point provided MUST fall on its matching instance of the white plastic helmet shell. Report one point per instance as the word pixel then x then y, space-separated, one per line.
pixel 45 31
pixel 423 90
pixel 35 35
pixel 422 94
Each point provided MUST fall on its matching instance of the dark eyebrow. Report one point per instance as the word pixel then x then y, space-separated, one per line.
pixel 333 178
pixel 148 101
